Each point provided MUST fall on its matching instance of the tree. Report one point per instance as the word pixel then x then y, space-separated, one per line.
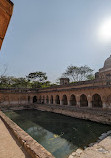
pixel 46 84
pixel 19 82
pixel 4 81
pixel 33 80
pixel 91 77
pixel 37 76
pixel 77 73
pixel 11 81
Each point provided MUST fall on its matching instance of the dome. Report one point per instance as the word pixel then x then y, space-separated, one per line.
pixel 107 63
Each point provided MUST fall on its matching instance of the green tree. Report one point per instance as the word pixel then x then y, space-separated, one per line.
pixel 77 73
pixel 37 76
pixel 4 82
pixel 91 77
pixel 19 82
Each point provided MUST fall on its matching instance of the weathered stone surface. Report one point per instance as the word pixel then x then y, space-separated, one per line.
pixel 6 9
pixel 88 114
pixel 99 150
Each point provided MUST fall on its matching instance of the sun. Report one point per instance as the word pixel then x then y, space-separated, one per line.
pixel 105 30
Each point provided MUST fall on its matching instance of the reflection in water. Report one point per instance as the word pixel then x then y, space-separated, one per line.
pixel 52 142
pixel 59 134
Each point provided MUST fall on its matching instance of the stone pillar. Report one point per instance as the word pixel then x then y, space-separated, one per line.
pixel 49 102
pixel 104 102
pixel 104 105
pixel 89 98
pixel 78 101
pixel 89 104
pixel 54 102
pixel 60 102
pixel 69 102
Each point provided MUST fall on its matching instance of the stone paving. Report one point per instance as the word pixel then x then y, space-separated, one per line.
pixel 99 150
pixel 9 146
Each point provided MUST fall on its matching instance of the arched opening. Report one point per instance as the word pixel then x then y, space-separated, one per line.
pixel 47 100
pixel 28 99
pixel 64 100
pixel 96 101
pixel 73 100
pixel 51 99
pixel 34 99
pixel 83 101
pixel 57 100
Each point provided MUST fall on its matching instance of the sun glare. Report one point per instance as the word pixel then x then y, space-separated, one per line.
pixel 105 30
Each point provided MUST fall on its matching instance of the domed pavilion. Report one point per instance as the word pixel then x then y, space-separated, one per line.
pixel 105 72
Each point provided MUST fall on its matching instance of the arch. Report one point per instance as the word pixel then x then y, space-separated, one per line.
pixel 73 100
pixel 96 101
pixel 35 99
pixel 51 99
pixel 47 100
pixel 64 100
pixel 28 99
pixel 57 99
pixel 83 101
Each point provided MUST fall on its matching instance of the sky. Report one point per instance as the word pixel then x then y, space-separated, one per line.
pixel 50 35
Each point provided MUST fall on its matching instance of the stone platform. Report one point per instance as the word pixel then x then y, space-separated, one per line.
pixel 99 150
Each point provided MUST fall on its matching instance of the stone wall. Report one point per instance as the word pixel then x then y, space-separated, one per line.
pixel 6 9
pixel 101 116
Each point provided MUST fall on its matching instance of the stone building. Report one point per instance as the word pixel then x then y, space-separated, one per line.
pixel 105 72
pixel 64 81
pixel 89 94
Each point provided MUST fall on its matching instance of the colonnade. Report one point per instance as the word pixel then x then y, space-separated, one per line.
pixel 72 100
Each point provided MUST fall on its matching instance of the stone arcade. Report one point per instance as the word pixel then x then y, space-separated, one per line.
pixel 91 94
pixel 90 99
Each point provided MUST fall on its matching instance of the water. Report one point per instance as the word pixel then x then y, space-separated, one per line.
pixel 60 135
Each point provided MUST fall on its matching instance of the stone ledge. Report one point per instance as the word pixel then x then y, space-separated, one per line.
pixel 34 149
pixel 98 150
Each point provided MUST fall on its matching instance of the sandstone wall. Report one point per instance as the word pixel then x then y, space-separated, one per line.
pixel 6 9
pixel 102 116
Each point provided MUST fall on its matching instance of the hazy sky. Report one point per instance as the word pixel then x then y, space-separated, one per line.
pixel 49 35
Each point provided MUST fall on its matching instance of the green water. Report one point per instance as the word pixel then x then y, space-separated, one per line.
pixel 60 135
